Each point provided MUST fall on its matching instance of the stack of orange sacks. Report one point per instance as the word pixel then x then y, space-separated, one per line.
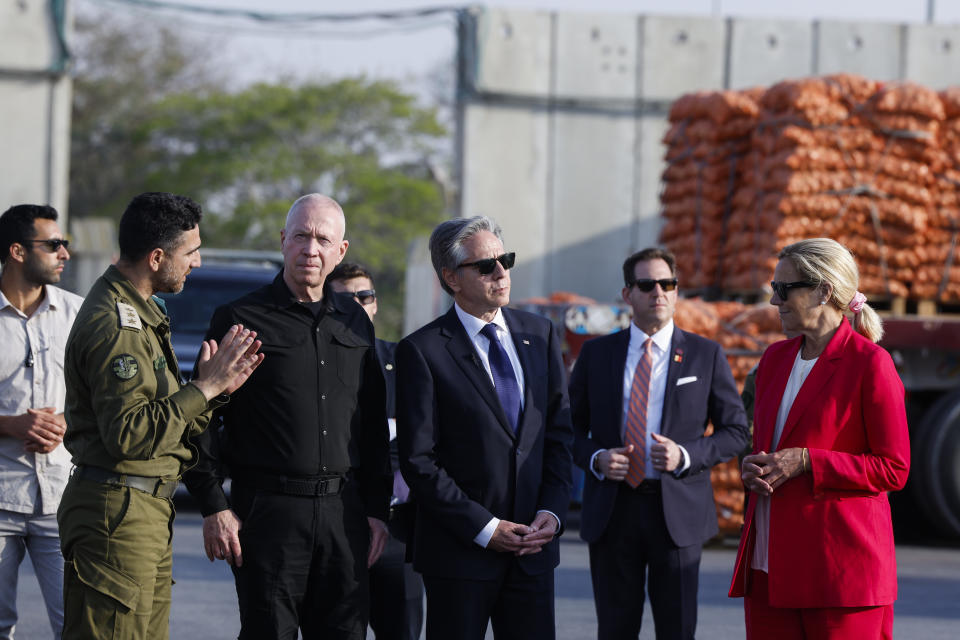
pixel 874 166
pixel 709 135
pixel 939 276
pixel 843 157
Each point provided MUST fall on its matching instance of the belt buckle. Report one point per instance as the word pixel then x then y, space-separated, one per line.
pixel 321 488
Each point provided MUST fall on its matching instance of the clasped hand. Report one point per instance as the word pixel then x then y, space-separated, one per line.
pixel 521 539
pixel 764 472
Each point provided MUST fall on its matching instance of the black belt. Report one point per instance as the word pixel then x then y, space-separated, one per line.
pixel 647 486
pixel 154 485
pixel 315 487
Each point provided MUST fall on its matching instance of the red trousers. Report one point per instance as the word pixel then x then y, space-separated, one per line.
pixel 827 623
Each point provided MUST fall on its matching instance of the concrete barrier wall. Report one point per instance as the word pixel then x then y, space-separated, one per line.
pixel 564 113
pixel 35 95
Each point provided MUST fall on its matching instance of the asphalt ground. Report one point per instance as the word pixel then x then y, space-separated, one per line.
pixel 205 605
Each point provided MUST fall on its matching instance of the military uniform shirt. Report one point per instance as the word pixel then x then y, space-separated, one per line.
pixel 127 410
pixel 39 340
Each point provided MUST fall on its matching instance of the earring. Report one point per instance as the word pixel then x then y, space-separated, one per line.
pixel 823 302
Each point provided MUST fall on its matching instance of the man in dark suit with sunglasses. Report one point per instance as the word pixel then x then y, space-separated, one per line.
pixel 641 400
pixel 484 429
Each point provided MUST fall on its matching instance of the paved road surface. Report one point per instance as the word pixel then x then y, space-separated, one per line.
pixel 204 600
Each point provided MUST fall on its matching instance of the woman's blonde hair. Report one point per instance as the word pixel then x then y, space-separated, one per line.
pixel 825 261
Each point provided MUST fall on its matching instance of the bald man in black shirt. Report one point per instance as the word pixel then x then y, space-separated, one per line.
pixel 306 443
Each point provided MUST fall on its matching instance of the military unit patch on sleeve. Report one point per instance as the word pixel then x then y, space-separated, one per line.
pixel 129 318
pixel 125 366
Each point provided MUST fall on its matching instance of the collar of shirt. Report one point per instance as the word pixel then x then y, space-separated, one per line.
pixel 51 300
pixel 148 310
pixel 475 325
pixel 661 338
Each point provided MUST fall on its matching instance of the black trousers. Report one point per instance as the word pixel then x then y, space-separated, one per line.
pixel 519 606
pixel 636 554
pixel 396 595
pixel 304 565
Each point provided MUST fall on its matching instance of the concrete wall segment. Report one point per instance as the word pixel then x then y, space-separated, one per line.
pixel 596 56
pixel 869 49
pixel 932 55
pixel 514 51
pixel 27 40
pixel 679 55
pixel 764 52
pixel 592 188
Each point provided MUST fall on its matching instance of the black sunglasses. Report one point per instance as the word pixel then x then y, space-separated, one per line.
pixel 782 289
pixel 646 285
pixel 53 244
pixel 366 296
pixel 486 266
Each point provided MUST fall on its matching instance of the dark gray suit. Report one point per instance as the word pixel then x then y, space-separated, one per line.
pixel 679 515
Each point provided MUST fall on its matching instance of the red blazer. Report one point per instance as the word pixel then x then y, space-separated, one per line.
pixel 831 538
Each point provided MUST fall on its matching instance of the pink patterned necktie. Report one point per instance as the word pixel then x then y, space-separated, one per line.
pixel 636 431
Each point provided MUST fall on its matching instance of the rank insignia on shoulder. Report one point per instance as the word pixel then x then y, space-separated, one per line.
pixel 159 363
pixel 129 318
pixel 125 366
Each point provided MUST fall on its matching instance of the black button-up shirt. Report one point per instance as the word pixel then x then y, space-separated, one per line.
pixel 315 406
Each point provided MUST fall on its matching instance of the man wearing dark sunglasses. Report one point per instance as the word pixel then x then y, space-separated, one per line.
pixel 35 318
pixel 484 430
pixel 641 400
pixel 396 590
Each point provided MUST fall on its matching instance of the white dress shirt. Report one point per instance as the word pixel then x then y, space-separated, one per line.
pixel 41 339
pixel 761 517
pixel 473 326
pixel 658 387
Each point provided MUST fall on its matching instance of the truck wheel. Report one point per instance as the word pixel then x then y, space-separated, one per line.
pixel 936 464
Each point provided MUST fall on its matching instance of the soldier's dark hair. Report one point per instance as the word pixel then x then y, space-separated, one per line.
pixel 155 220
pixel 16 225
pixel 348 271
pixel 650 253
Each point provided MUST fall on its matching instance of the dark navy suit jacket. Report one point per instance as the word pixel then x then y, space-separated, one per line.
pixel 596 397
pixel 458 453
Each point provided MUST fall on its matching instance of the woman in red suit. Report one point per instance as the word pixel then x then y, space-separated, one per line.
pixel 816 557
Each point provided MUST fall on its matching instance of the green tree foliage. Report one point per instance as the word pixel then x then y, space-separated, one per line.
pixel 148 117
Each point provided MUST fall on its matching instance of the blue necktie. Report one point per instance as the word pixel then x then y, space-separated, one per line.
pixel 504 378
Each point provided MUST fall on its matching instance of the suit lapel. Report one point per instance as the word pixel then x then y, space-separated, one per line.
pixel 675 359
pixel 768 404
pixel 462 351
pixel 618 362
pixel 820 375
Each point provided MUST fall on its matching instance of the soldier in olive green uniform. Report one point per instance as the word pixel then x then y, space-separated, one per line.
pixel 129 419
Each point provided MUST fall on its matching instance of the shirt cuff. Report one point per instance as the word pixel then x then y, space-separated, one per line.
pixel 679 471
pixel 593 470
pixel 486 534
pixel 554 517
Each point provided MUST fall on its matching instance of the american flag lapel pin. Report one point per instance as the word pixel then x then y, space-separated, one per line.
pixel 678 355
